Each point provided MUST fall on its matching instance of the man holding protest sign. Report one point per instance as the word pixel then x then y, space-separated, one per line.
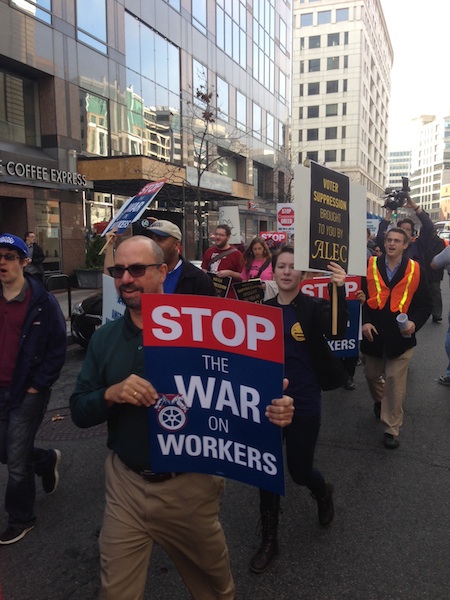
pixel 179 511
pixel 223 260
pixel 309 366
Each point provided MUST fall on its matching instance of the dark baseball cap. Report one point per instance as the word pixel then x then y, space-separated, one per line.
pixel 8 240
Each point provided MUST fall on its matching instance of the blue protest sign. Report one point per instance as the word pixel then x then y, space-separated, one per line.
pixel 216 366
pixel 134 207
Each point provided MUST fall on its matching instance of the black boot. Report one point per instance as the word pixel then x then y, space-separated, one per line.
pixel 325 506
pixel 269 543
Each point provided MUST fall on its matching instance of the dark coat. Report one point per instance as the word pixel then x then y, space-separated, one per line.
pixel 194 281
pixel 389 340
pixel 43 341
pixel 314 315
pixel 416 249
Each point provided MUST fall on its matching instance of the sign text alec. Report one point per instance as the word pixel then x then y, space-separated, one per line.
pixel 216 365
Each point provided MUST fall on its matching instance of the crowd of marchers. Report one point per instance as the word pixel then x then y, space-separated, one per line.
pixel 399 293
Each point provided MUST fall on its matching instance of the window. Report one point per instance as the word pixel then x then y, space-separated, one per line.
pixel 300 112
pixel 302 43
pixel 91 23
pixel 94 119
pixel 331 110
pixel 222 99
pixel 231 30
pixel 263 41
pixel 344 133
pixel 332 86
pixel 342 14
pixel 344 85
pixel 241 110
pixel 41 9
pixel 313 112
pixel 306 20
pixel 199 15
pixel 302 66
pixel 332 63
pixel 282 87
pixel 300 135
pixel 330 156
pixel 343 155
pixel 283 35
pixel 199 79
pixel 314 65
pixel 257 121
pixel 300 91
pixel 312 135
pixel 346 38
pixel 323 17
pixel 344 108
pixel 313 88
pixel 333 39
pixel 313 155
pixel 330 133
pixel 270 129
pixel 300 158
pixel 346 62
pixel 314 42
pixel 19 110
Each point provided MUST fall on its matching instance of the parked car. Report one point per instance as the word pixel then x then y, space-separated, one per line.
pixel 85 318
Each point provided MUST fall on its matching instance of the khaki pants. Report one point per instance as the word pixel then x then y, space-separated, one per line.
pixel 386 378
pixel 181 515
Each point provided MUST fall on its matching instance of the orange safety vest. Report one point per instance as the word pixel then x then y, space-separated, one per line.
pixel 401 294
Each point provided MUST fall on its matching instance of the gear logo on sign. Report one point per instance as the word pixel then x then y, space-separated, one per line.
pixel 171 410
pixel 145 223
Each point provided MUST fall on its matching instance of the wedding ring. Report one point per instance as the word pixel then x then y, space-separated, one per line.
pixel 135 394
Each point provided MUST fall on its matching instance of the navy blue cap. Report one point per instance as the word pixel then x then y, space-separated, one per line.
pixel 8 240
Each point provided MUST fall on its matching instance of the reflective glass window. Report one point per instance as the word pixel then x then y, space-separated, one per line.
pixel 332 86
pixel 41 9
pixel 269 129
pixel 330 133
pixel 314 41
pixel 333 39
pixel 94 123
pixel 313 88
pixel 342 14
pixel 257 121
pixel 283 35
pixel 323 17
pixel 264 43
pixel 91 23
pixel 19 110
pixel 313 112
pixel 312 135
pixel 306 20
pixel 331 110
pixel 222 99
pixel 313 155
pixel 199 14
pixel 330 155
pixel 332 63
pixel 241 110
pixel 231 29
pixel 314 65
pixel 152 124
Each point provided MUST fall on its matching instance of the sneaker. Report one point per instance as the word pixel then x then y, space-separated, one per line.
pixel 50 479
pixel 377 409
pixel 444 380
pixel 325 505
pixel 390 441
pixel 11 535
pixel 349 384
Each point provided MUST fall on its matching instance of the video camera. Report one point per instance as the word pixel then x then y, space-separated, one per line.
pixel 396 198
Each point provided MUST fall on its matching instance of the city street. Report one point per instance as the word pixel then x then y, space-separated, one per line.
pixel 390 538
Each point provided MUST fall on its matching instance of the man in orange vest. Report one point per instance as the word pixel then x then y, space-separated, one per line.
pixel 395 285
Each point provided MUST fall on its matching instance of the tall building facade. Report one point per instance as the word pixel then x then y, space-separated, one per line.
pixel 399 165
pixel 430 165
pixel 98 98
pixel 342 59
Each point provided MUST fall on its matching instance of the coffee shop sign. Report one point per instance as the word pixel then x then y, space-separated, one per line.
pixel 23 170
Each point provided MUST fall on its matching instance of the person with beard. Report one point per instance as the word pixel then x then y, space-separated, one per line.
pixel 222 259
pixel 178 511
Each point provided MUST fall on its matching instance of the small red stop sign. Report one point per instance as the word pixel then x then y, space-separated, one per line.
pixel 286 216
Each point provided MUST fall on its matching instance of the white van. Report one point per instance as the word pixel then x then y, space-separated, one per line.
pixel 442 228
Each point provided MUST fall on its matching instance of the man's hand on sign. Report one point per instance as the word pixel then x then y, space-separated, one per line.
pixel 337 274
pixel 368 331
pixel 132 390
pixel 281 411
pixel 361 296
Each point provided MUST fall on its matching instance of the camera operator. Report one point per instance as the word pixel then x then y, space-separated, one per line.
pixel 416 247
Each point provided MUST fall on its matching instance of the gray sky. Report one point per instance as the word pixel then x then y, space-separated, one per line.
pixel 420 79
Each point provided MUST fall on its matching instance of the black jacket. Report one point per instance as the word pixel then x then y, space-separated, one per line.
pixel 42 349
pixel 194 281
pixel 416 249
pixel 314 315
pixel 389 340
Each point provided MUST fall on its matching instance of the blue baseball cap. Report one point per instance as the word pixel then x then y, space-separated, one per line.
pixel 8 240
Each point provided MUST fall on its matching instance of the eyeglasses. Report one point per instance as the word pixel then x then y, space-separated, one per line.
pixel 9 256
pixel 118 271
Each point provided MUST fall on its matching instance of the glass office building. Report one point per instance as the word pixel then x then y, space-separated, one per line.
pixel 99 97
